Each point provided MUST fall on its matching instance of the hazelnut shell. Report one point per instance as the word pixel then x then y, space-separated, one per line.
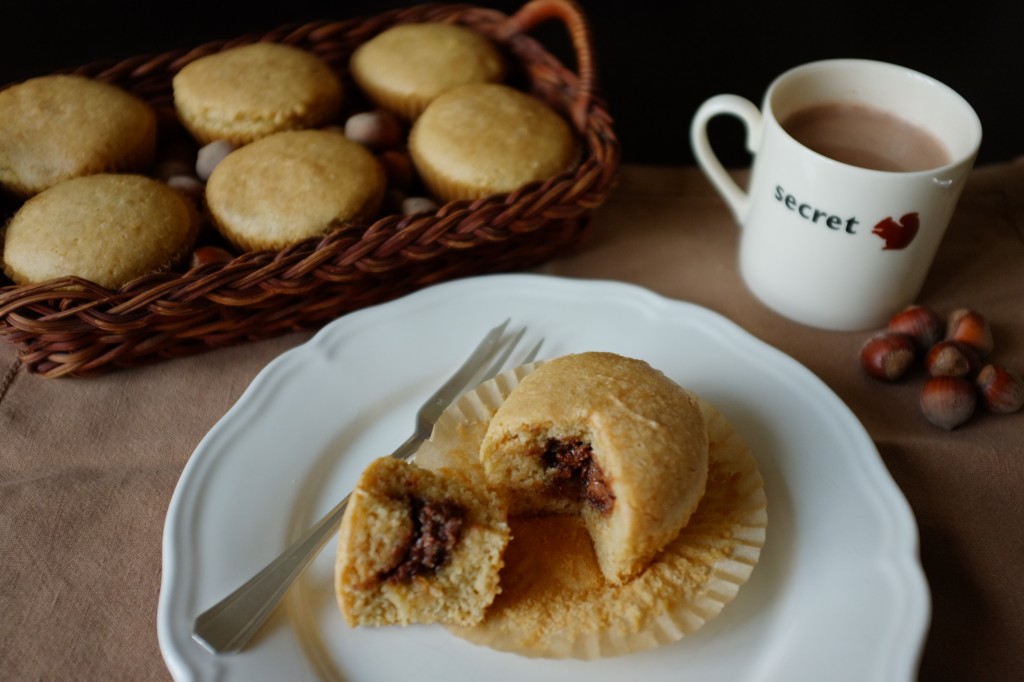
pixel 921 324
pixel 887 356
pixel 1000 390
pixel 971 328
pixel 952 359
pixel 948 402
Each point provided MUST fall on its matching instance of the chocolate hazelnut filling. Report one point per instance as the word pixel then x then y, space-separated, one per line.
pixel 575 473
pixel 437 528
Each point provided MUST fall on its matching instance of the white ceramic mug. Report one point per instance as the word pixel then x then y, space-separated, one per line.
pixel 827 243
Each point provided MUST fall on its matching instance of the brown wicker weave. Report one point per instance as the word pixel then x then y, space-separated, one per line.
pixel 63 332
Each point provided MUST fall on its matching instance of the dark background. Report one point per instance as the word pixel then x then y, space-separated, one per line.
pixel 657 61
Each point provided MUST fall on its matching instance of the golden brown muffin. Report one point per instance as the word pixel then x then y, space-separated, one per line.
pixel 60 127
pixel 106 228
pixel 407 66
pixel 479 140
pixel 245 93
pixel 555 601
pixel 609 437
pixel 290 186
pixel 417 546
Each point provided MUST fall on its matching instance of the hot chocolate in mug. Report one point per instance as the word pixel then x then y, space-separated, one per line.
pixel 857 169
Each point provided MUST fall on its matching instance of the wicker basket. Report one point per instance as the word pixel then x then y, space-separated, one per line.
pixel 62 332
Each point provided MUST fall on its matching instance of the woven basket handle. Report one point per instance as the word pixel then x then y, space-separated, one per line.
pixel 536 12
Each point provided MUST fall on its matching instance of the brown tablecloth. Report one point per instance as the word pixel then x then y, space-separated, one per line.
pixel 87 466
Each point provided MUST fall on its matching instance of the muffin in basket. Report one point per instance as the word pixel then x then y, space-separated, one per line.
pixel 108 228
pixel 293 185
pixel 479 140
pixel 245 93
pixel 417 546
pixel 60 127
pixel 407 66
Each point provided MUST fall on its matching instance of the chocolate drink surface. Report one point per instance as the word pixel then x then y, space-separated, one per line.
pixel 864 136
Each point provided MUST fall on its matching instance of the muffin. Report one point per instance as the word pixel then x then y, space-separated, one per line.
pixel 555 601
pixel 479 140
pixel 407 66
pixel 106 228
pixel 60 127
pixel 245 93
pixel 293 185
pixel 417 546
pixel 606 437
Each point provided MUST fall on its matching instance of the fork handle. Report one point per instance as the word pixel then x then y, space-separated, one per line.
pixel 228 625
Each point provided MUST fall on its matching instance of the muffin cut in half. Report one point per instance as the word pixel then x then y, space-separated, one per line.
pixel 555 601
pixel 608 437
pixel 419 546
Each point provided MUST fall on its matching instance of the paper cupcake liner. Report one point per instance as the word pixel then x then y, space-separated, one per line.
pixel 447 188
pixel 406 106
pixel 554 602
pixel 442 187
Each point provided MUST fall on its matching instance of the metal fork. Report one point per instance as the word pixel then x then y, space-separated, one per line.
pixel 228 625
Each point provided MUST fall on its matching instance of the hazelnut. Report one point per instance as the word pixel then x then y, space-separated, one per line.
pixel 887 356
pixel 411 205
pixel 1001 390
pixel 210 155
pixel 190 186
pixel 375 129
pixel 398 168
pixel 969 327
pixel 921 324
pixel 948 402
pixel 204 255
pixel 952 359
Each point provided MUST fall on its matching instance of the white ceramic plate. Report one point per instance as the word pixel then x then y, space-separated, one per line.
pixel 839 593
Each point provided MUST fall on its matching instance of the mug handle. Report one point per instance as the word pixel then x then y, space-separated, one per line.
pixel 751 117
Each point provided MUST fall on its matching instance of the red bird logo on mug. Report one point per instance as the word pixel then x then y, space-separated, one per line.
pixel 897 235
